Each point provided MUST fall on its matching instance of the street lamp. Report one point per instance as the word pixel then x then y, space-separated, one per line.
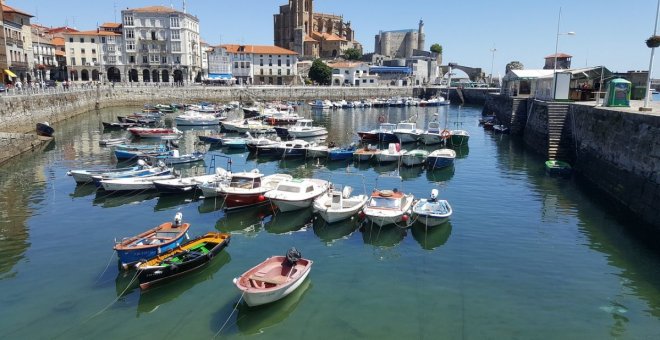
pixel 492 60
pixel 648 79
pixel 554 70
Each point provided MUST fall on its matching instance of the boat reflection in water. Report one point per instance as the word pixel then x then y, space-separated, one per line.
pixel 211 204
pixel 115 199
pixel 386 236
pixel 166 202
pixel 431 238
pixel 440 175
pixel 254 320
pixel 287 222
pixel 153 298
pixel 83 190
pixel 410 172
pixel 249 220
pixel 330 232
pixel 462 151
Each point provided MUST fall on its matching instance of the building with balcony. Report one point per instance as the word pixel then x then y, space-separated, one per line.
pixel 262 65
pixel 348 73
pixel 92 55
pixel 219 66
pixel 18 44
pixel 43 50
pixel 161 44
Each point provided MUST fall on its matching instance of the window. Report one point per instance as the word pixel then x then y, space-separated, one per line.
pixel 174 22
pixel 128 20
pixel 261 72
pixel 154 58
pixel 72 50
pixel 130 46
pixel 288 63
pixel 177 60
pixel 261 62
pixel 153 35
pixel 176 47
pixel 371 81
pixel 82 40
pixel 176 34
pixel 111 59
pixel 83 61
pixel 130 34
pixel 236 64
pixel 279 71
pixel 94 51
pixel 270 71
pixel 288 72
pixel 163 60
pixel 82 50
pixel 279 62
pixel 153 22
pixel 103 40
pixel 73 61
pixel 145 59
pixel 364 81
pixel 93 40
pixel 131 59
pixel 247 64
pixel 270 62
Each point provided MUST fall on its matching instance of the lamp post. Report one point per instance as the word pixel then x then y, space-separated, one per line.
pixel 492 60
pixel 648 78
pixel 554 70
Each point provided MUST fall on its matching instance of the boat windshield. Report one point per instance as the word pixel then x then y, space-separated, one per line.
pixel 288 188
pixel 387 203
pixel 238 182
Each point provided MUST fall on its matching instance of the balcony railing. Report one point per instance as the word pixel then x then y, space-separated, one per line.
pixel 18 64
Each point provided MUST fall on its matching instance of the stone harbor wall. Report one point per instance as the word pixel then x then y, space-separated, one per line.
pixel 14 144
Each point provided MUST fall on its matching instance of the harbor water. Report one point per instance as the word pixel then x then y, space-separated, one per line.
pixel 524 255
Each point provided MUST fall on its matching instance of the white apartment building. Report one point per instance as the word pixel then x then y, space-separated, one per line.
pixel 262 65
pixel 44 55
pixel 219 65
pixel 348 73
pixel 161 44
pixel 92 55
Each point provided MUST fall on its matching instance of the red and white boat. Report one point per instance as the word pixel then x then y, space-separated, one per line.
pixel 273 279
pixel 144 132
pixel 388 207
pixel 243 189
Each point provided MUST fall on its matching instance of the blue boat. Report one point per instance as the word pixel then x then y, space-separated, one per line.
pixel 140 147
pixel 128 154
pixel 234 143
pixel 296 148
pixel 386 133
pixel 213 139
pixel 152 242
pixel 341 154
pixel 441 158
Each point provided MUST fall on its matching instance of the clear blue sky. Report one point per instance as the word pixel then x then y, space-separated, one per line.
pixel 608 32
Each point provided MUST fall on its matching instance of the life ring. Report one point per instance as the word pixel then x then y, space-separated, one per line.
pixel 445 134
pixel 381 119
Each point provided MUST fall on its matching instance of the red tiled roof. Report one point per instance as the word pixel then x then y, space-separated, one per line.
pixel 9 9
pixel 64 29
pixel 327 36
pixel 257 49
pixel 560 55
pixel 60 53
pixel 111 25
pixel 58 41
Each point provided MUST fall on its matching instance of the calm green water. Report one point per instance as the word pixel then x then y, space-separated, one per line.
pixel 524 256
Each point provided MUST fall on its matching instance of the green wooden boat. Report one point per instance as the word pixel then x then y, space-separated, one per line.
pixel 458 137
pixel 560 168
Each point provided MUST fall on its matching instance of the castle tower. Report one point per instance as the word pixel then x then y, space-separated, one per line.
pixel 421 36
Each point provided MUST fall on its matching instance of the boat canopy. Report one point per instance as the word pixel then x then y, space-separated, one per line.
pixel 219 76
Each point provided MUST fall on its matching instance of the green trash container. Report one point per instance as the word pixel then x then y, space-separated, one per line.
pixel 618 93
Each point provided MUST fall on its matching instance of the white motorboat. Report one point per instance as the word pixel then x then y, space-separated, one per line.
pixel 305 128
pixel 244 189
pixel 320 104
pixel 317 151
pixel 133 183
pixel 432 135
pixel 407 132
pixel 393 153
pixel 296 148
pixel 145 132
pixel 274 278
pixel 338 205
pixel 366 153
pixel 86 176
pixel 253 126
pixel 297 193
pixel 183 184
pixel 414 157
pixel 459 137
pixel 112 141
pixel 195 118
pixel 441 158
pixel 388 207
pixel 432 212
pixel 175 158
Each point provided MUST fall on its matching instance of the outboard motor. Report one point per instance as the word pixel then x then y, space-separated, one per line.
pixel 178 218
pixel 434 195
pixel 292 257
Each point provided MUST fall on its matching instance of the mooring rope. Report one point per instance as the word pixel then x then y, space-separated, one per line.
pixel 106 266
pixel 230 315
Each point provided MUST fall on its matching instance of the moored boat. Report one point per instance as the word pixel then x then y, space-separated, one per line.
pixel 433 211
pixel 388 207
pixel 135 183
pixel 151 242
pixel 433 134
pixel 182 259
pixel 337 205
pixel 194 118
pixel 365 153
pixel 414 157
pixel 183 184
pixel 441 158
pixel 243 189
pixel 340 154
pixel 297 194
pixel 458 137
pixel 44 129
pixel 561 168
pixel 274 278
pixel 393 153
pixel 407 132
pixel 305 128
pixel 153 132
pixel 85 176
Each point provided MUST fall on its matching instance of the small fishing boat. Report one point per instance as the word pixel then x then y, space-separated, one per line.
pixel 243 189
pixel 85 176
pixel 320 104
pixel 273 279
pixel 433 134
pixel 414 157
pixel 161 169
pixel 365 153
pixel 44 129
pixel 252 126
pixel 282 118
pixel 234 142
pixel 393 153
pixel 500 128
pixel 122 154
pixel 134 183
pixel 386 133
pixel 305 128
pixel 388 206
pixel 143 132
pixel 117 126
pixel 337 205
pixel 317 151
pixel 151 242
pixel 296 148
pixel 297 194
pixel 194 118
pixel 432 212
pixel 553 167
pixel 212 139
pixel 112 141
pixel 183 185
pixel 166 108
pixel 458 137
pixel 489 125
pixel 252 143
pixel 441 158
pixel 340 154
pixel 182 259
pixel 173 157
pixel 407 132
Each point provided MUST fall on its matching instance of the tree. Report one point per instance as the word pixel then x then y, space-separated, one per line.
pixel 514 65
pixel 353 54
pixel 320 72
pixel 436 48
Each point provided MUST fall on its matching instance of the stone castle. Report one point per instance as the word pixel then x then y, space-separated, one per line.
pixel 310 34
pixel 400 44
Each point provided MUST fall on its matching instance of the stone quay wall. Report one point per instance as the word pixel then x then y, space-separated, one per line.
pixel 619 152
pixel 476 96
pixel 14 144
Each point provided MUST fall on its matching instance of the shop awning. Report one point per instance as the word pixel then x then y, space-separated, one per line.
pixel 219 76
pixel 10 73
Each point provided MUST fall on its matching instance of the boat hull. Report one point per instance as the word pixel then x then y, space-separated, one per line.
pixel 340 156
pixel 439 162
pixel 309 133
pixel 412 160
pixel 368 136
pixel 405 137
pixel 385 158
pixel 383 220
pixel 238 201
pixel 197 122
pixel 458 140
pixel 387 137
pixel 289 205
pixel 431 138
pixel 130 257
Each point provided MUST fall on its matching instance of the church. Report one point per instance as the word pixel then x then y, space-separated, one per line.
pixel 310 34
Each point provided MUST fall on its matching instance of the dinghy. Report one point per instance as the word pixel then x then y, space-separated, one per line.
pixel 414 157
pixel 432 212
pixel 274 278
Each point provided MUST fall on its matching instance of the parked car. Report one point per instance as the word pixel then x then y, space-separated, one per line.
pixel 3 88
